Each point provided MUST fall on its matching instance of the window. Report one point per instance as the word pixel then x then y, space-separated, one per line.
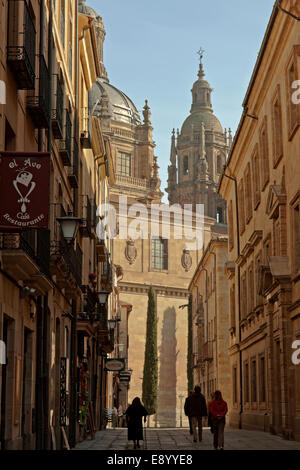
pixel 292 115
pixel 241 207
pixel 248 193
pixel 264 154
pixel 159 253
pixel 253 381
pixel 258 263
pixel 267 249
pixel 232 306
pixel 244 296
pixel 277 129
pixel 262 380
pixel 185 168
pixel 246 379
pixel 250 289
pixel 124 164
pixel 230 226
pixel 256 177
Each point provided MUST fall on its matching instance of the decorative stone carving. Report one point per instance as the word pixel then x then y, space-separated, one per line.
pixel 186 260
pixel 130 251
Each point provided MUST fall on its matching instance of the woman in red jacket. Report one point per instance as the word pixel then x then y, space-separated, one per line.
pixel 218 410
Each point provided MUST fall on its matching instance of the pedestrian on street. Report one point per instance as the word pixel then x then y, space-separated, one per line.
pixel 134 416
pixel 218 409
pixel 187 410
pixel 197 410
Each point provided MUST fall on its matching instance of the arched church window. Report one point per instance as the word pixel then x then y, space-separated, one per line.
pixel 185 165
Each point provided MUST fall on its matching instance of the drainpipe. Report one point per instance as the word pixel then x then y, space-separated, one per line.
pixel 239 293
pixel 206 299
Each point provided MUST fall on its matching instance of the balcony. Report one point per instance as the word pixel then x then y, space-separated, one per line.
pixel 39 106
pixel 207 351
pixel 65 145
pixel 106 275
pixel 86 227
pixel 105 334
pixel 21 47
pixel 73 170
pixel 85 136
pixel 26 257
pixel 58 111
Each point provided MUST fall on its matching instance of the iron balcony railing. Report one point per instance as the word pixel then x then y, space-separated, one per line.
pixel 38 106
pixel 65 146
pixel 73 259
pixel 58 111
pixel 35 243
pixel 21 48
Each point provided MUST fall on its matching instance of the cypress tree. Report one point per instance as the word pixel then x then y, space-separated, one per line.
pixel 150 374
pixel 190 345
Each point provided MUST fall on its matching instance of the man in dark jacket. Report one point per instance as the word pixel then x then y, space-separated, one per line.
pixel 187 410
pixel 197 409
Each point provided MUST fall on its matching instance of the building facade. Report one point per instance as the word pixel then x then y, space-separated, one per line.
pixel 56 331
pixel 209 288
pixel 261 186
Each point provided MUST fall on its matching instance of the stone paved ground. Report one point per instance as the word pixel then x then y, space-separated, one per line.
pixel 180 439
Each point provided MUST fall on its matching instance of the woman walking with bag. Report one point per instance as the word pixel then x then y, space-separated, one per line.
pixel 218 410
pixel 134 416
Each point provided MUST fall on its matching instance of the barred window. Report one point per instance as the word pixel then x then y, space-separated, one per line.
pixel 124 164
pixel 159 253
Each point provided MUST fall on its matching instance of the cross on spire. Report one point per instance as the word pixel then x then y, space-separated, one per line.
pixel 201 71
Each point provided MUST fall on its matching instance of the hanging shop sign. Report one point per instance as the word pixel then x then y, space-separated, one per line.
pixel 24 190
pixel 114 364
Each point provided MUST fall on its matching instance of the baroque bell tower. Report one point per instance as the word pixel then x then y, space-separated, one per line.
pixel 198 154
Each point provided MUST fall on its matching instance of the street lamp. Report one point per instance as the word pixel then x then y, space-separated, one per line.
pixel 69 226
pixel 102 297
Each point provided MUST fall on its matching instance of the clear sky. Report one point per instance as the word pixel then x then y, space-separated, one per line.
pixel 150 52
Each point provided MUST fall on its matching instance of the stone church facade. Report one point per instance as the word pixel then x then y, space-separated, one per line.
pixel 165 264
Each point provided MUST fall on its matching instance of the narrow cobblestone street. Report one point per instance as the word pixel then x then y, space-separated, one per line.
pixel 180 440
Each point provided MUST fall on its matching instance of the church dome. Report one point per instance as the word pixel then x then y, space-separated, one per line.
pixel 120 107
pixel 193 122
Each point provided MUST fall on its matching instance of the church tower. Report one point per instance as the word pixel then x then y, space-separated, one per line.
pixel 198 155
